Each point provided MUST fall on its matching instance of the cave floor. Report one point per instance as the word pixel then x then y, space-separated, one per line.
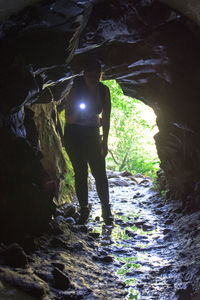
pixel 155 246
pixel 151 252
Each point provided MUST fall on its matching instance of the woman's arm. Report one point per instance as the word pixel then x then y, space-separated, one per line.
pixel 106 121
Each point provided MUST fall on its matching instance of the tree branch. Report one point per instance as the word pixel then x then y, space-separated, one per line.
pixel 124 160
pixel 113 157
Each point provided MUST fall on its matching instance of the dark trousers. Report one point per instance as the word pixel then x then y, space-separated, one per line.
pixel 83 146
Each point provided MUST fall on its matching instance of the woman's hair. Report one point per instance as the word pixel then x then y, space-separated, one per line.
pixel 93 65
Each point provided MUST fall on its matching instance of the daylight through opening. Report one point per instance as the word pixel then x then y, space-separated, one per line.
pixel 133 126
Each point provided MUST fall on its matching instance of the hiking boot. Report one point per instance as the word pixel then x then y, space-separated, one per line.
pixel 84 215
pixel 107 215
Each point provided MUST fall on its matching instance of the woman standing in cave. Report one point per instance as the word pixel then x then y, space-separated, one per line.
pixel 87 99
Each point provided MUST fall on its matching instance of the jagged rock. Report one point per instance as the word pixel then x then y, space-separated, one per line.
pixel 138 195
pixel 144 182
pixel 94 234
pixel 74 229
pixel 46 276
pixel 103 258
pixel 14 256
pixel 60 266
pixel 95 257
pixel 133 180
pixel 166 231
pixel 184 293
pixel 23 179
pixel 70 220
pixel 58 242
pixel 61 280
pixel 126 174
pixel 78 246
pixel 113 174
pixel 29 283
pixel 1 287
pixel 130 233
pixel 140 223
pixel 82 228
pixel 169 221
pixel 119 221
pixel 73 295
pixel 147 227
pixel 124 200
pixel 159 212
pixel 69 211
pixel 53 159
pixel 60 225
pixel 106 258
pixel 118 181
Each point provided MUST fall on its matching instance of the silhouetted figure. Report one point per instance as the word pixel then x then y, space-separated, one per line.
pixel 87 99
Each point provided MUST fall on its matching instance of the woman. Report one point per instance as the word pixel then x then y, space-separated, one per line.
pixel 87 99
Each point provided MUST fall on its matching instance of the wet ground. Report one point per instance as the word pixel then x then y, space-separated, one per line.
pixel 156 248
pixel 151 252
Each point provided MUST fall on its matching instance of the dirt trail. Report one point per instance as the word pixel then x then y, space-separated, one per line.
pixel 152 251
pixel 156 248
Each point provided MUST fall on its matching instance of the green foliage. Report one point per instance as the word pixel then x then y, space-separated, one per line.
pixel 134 294
pixel 131 144
pixel 129 266
pixel 62 119
pixel 68 189
pixel 159 188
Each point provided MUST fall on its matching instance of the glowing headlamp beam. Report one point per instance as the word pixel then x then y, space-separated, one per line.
pixel 82 106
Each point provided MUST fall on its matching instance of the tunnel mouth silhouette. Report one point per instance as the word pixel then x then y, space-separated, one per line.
pixel 151 48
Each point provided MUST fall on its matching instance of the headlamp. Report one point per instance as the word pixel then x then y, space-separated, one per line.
pixel 82 110
pixel 82 106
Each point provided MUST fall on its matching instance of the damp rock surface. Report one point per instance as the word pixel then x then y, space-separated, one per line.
pixel 155 246
pixel 144 255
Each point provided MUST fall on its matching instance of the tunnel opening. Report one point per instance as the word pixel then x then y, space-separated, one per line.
pixel 131 140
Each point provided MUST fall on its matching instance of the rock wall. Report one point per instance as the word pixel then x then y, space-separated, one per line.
pixel 153 53
pixel 150 49
pixel 53 159
pixel 35 45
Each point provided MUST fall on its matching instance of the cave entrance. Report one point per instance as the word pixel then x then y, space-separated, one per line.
pixel 133 125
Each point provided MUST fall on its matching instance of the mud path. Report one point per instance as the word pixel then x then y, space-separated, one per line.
pixel 152 251
pixel 156 249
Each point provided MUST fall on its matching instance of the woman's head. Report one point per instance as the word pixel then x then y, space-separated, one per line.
pixel 92 71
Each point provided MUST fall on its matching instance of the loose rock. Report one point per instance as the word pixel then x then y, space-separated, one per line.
pixel 61 280
pixel 94 234
pixel 28 283
pixel 14 256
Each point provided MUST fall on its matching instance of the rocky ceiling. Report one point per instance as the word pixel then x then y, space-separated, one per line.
pixel 150 47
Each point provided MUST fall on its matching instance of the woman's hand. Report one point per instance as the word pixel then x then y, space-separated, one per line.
pixel 104 148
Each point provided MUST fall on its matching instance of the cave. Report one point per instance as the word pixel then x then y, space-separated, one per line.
pixel 151 48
